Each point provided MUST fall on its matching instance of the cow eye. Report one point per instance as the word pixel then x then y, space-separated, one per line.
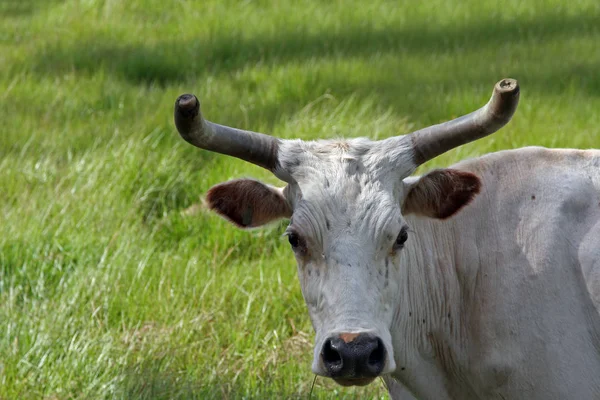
pixel 402 237
pixel 294 240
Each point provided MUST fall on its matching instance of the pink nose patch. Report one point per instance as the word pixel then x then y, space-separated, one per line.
pixel 348 337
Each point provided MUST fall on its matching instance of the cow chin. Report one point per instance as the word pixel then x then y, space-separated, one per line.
pixel 354 382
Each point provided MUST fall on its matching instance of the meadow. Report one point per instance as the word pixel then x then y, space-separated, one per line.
pixel 115 282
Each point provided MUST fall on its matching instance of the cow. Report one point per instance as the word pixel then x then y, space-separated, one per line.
pixel 478 281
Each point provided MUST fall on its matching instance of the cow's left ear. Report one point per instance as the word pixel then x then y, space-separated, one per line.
pixel 441 193
pixel 248 203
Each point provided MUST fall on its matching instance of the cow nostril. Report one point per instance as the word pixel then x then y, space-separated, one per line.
pixel 363 357
pixel 376 359
pixel 331 357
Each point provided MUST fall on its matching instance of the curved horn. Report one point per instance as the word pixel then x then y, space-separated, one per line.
pixel 253 147
pixel 437 139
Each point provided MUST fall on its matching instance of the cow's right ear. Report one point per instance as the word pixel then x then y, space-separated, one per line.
pixel 248 203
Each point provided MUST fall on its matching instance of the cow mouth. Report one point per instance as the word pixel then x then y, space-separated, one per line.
pixel 353 381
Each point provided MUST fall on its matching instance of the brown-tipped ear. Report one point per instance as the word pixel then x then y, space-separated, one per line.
pixel 248 203
pixel 441 193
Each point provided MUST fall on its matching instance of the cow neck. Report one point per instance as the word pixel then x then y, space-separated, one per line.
pixel 429 327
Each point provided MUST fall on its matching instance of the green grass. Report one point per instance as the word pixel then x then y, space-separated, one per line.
pixel 113 282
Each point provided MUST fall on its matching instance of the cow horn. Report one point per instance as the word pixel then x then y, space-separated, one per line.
pixel 253 147
pixel 432 141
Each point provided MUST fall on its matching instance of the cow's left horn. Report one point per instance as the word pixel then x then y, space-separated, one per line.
pixel 437 139
pixel 253 147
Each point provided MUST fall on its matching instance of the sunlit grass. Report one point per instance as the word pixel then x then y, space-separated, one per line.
pixel 114 281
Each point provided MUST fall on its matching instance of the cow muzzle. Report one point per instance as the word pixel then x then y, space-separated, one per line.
pixel 353 358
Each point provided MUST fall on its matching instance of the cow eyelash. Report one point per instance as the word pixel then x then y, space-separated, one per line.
pixel 295 240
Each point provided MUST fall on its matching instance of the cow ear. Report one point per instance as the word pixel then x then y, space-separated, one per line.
pixel 441 193
pixel 248 203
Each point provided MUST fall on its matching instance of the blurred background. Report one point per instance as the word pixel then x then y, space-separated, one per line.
pixel 114 280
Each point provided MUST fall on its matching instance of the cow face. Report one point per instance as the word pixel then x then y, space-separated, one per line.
pixel 346 201
pixel 347 231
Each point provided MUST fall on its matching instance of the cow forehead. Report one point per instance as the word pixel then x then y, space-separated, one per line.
pixel 344 158
pixel 346 203
pixel 341 196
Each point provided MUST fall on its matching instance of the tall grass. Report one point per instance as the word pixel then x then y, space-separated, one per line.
pixel 114 281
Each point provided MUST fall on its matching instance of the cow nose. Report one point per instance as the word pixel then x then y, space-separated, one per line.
pixel 353 356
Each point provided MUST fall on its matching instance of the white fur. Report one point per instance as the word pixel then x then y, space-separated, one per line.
pixel 501 301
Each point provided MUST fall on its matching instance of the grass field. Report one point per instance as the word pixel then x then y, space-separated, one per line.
pixel 114 283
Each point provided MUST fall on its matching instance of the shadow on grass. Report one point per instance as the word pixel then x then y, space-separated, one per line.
pixel 173 60
pixel 153 385
pixel 156 385
pixel 23 8
pixel 403 87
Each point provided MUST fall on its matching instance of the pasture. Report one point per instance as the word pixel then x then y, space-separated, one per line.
pixel 115 282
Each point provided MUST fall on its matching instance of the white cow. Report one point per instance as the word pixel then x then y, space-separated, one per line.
pixel 481 281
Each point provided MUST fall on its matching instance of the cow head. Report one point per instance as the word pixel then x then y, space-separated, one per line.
pixel 346 201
